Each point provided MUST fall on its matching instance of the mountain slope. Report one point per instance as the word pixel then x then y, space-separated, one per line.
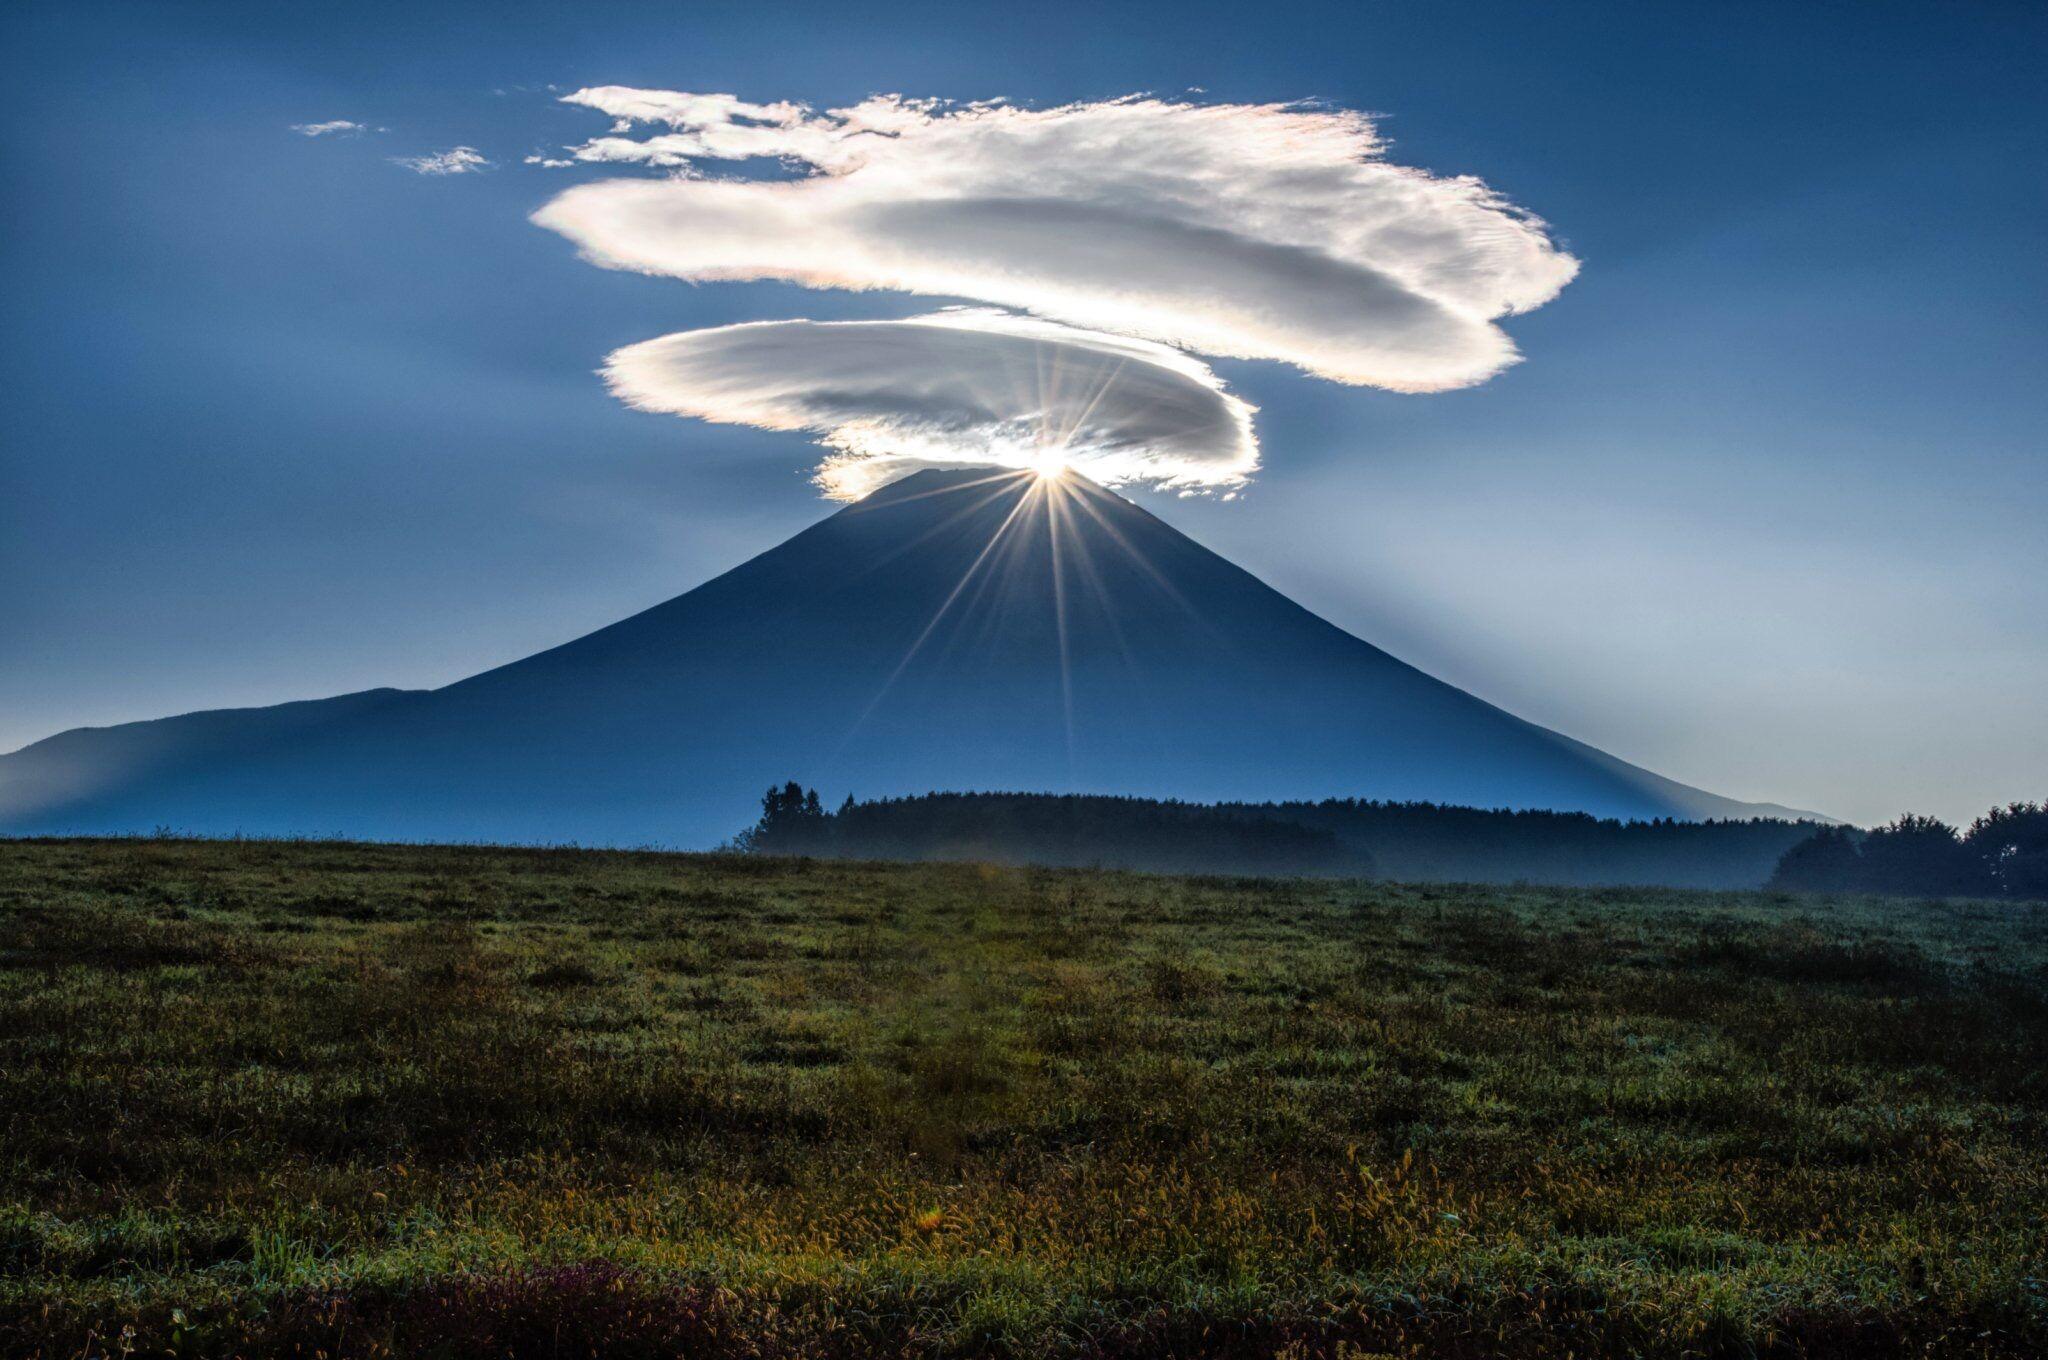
pixel 962 629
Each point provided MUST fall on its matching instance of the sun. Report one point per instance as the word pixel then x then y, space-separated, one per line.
pixel 1049 463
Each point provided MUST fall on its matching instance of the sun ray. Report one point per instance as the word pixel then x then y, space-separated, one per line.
pixel 995 539
pixel 1144 564
pixel 1053 493
pixel 1084 560
pixel 1057 497
pixel 1004 475
pixel 1005 478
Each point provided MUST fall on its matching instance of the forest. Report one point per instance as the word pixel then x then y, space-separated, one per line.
pixel 1353 838
pixel 2002 854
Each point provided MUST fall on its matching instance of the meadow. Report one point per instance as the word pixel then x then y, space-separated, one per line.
pixel 355 1100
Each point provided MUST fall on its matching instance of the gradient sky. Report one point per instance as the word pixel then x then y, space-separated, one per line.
pixel 1762 510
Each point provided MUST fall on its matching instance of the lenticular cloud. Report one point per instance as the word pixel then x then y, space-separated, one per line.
pixel 1275 232
pixel 951 389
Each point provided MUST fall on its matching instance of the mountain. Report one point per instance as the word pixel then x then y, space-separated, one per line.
pixel 955 630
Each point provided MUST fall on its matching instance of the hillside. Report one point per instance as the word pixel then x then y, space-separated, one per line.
pixel 359 1100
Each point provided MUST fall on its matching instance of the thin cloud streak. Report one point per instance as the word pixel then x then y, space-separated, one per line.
pixel 460 160
pixel 334 127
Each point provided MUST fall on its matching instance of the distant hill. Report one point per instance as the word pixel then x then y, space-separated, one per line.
pixel 964 629
pixel 1407 842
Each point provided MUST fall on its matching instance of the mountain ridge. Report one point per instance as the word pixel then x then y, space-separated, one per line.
pixel 957 628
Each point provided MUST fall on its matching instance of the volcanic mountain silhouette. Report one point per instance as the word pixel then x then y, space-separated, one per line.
pixel 955 630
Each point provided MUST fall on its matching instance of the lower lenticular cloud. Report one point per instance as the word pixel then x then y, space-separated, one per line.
pixel 1251 231
pixel 959 388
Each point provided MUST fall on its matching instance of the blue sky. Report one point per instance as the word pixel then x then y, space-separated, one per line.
pixel 1763 508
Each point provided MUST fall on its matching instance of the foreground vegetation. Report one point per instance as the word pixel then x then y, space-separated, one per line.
pixel 360 1100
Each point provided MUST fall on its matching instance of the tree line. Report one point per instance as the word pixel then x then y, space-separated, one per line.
pixel 1113 833
pixel 1408 842
pixel 2004 853
pixel 1420 842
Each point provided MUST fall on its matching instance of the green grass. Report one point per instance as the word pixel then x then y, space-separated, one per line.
pixel 376 1099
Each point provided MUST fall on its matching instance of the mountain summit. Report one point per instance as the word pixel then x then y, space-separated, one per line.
pixel 967 629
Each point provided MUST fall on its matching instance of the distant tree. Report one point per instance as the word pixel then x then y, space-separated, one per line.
pixel 2012 845
pixel 792 823
pixel 1922 857
pixel 1826 861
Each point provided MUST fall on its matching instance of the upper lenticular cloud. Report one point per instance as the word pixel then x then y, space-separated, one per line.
pixel 952 389
pixel 1252 231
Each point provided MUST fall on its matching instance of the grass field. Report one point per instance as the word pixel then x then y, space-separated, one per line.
pixel 361 1100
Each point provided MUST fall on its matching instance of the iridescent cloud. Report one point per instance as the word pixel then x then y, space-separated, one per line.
pixel 1121 236
pixel 1253 231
